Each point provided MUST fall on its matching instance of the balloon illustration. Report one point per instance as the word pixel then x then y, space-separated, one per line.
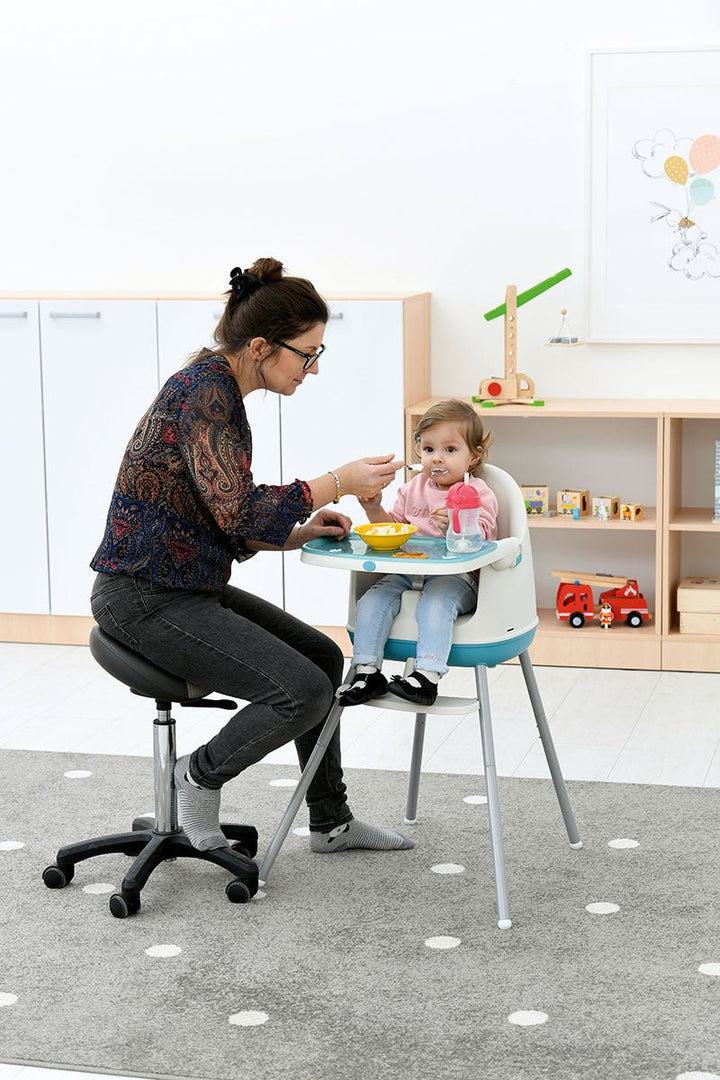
pixel 701 190
pixel 676 169
pixel 704 154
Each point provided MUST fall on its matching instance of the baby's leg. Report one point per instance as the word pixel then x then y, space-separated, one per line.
pixel 376 610
pixel 442 600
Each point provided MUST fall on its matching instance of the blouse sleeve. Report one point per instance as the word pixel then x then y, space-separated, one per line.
pixel 488 511
pixel 215 442
pixel 398 512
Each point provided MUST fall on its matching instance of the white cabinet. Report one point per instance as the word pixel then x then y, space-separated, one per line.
pixel 99 365
pixel 184 326
pixel 23 537
pixel 351 408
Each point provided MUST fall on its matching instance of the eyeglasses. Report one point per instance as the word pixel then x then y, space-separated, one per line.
pixel 308 358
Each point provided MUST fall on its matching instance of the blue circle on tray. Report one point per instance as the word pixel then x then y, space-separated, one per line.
pixel 368 565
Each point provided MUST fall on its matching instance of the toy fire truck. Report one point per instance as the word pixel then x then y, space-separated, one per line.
pixel 575 604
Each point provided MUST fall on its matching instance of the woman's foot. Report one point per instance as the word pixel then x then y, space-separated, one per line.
pixel 365 686
pixel 198 810
pixel 356 834
pixel 416 688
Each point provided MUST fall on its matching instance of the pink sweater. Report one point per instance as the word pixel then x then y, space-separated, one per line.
pixel 419 496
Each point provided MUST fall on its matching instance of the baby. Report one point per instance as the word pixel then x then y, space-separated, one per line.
pixel 450 442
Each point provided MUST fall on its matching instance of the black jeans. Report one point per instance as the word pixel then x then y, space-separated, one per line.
pixel 237 644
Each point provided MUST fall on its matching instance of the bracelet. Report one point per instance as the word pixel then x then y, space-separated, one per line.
pixel 336 478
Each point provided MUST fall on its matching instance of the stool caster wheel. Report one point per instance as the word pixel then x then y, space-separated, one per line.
pixel 237 892
pixel 142 824
pixel 56 877
pixel 122 905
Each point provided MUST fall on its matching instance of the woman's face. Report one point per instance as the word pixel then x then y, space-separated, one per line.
pixel 283 370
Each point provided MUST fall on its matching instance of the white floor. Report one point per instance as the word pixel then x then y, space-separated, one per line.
pixel 638 727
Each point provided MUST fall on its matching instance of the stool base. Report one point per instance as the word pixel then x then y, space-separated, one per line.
pixel 150 848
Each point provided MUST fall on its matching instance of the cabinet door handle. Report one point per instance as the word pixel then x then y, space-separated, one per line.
pixel 13 314
pixel 74 314
pixel 336 315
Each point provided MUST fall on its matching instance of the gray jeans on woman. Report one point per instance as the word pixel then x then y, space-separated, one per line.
pixel 235 643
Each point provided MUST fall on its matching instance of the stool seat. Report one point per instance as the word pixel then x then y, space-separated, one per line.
pixel 143 678
pixel 158 838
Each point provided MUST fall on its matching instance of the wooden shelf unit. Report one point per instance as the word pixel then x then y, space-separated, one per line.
pixel 682 516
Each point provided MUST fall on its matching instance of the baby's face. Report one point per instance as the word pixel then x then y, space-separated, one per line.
pixel 444 454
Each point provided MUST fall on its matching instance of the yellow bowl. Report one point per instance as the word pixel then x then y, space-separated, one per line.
pixel 384 536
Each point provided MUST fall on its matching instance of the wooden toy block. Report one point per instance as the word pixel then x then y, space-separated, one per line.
pixel 570 499
pixel 537 498
pixel 699 595
pixel 632 511
pixel 700 622
pixel 606 507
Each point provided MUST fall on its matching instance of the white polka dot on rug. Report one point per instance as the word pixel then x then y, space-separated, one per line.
pixel 302 830
pixel 697 1076
pixel 623 842
pixel 442 942
pixel 7 999
pixel 98 888
pixel 528 1017
pixel 11 845
pixel 284 782
pixel 475 800
pixel 77 774
pixel 163 950
pixel 710 969
pixel 602 908
pixel 248 1018
pixel 448 868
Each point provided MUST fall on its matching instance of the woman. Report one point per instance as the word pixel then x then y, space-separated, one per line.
pixel 184 506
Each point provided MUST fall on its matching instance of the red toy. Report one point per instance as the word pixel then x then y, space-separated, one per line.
pixel 574 602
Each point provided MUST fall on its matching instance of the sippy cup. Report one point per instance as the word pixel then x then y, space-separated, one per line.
pixel 463 502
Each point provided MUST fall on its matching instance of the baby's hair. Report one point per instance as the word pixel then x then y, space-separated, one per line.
pixel 459 412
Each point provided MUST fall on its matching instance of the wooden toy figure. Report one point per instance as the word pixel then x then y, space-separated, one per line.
pixel 605 616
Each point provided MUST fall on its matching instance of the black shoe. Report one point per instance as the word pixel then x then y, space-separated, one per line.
pixel 363 688
pixel 424 694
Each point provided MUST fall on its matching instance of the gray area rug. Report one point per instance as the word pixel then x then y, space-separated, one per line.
pixel 333 960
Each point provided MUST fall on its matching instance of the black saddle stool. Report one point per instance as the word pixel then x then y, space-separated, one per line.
pixel 156 839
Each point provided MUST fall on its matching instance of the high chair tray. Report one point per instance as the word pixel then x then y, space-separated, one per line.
pixel 420 555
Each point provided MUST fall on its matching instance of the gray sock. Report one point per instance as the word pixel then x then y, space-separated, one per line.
pixel 198 810
pixel 356 834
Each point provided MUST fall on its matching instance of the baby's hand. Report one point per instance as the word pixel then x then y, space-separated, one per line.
pixel 371 502
pixel 441 517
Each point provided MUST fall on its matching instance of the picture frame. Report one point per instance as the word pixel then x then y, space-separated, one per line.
pixel 653 195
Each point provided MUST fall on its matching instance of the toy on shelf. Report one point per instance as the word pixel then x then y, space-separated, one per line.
pixel 537 498
pixel 698 604
pixel 574 602
pixel 563 336
pixel 570 499
pixel 605 616
pixel 606 507
pixel 514 387
pixel 632 511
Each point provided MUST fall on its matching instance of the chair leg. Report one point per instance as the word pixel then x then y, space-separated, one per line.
pixel 549 748
pixel 493 798
pixel 415 766
pixel 299 794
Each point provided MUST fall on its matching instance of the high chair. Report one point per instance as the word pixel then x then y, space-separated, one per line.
pixel 502 627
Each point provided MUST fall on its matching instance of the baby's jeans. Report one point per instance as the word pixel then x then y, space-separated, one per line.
pixel 443 598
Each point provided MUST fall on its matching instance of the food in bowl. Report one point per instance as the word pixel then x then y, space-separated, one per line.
pixel 385 536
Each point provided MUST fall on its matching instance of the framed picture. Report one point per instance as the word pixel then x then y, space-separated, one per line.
pixel 654 195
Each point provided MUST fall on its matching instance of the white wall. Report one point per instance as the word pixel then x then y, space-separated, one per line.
pixel 373 146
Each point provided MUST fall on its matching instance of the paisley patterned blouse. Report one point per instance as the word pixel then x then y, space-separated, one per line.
pixel 185 502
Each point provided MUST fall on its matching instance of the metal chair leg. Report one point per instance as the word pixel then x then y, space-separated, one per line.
pixel 299 794
pixel 549 748
pixel 415 766
pixel 491 786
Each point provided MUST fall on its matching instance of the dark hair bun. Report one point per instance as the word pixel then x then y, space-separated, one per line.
pixel 266 270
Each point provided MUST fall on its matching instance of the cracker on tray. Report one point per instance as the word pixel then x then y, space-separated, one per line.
pixel 410 555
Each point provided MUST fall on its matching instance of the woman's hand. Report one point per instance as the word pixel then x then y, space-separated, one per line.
pixel 441 518
pixel 324 523
pixel 367 477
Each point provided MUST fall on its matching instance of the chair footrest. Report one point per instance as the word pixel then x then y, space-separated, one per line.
pixel 447 705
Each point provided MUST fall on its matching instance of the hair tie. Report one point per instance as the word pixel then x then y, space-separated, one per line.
pixel 243 283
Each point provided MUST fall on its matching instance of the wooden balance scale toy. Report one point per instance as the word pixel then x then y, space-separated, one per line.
pixel 514 387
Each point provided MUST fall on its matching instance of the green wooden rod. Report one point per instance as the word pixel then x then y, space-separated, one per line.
pixel 530 294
